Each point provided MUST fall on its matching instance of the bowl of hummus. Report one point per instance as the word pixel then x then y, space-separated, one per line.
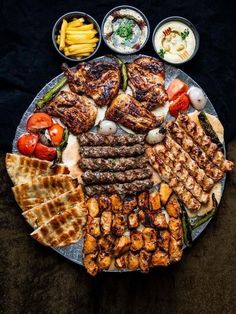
pixel 125 29
pixel 175 40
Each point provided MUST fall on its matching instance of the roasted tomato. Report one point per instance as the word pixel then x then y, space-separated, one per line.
pixel 179 105
pixel 44 152
pixel 56 134
pixel 176 88
pixel 26 143
pixel 38 121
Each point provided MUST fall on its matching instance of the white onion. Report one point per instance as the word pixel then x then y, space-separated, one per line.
pixel 107 127
pixel 197 98
pixel 155 136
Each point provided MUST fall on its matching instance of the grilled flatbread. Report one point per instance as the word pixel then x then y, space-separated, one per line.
pixel 42 189
pixel 22 169
pixel 40 214
pixel 63 229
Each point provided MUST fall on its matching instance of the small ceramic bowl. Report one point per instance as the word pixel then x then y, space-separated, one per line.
pixel 189 25
pixel 69 17
pixel 146 23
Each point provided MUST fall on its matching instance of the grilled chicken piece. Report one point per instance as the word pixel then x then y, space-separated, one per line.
pixel 103 260
pixel 104 203
pixel 93 226
pixel 122 245
pixel 129 205
pixel 106 220
pixel 199 136
pixel 158 219
pixel 160 258
pixel 143 200
pixel 98 80
pixel 106 243
pixel 146 79
pixel 116 203
pixel 137 241
pixel 144 261
pixel 119 164
pixel 130 113
pixel 133 221
pixel 173 207
pixel 121 262
pixel 142 216
pixel 163 240
pixel 93 208
pixel 90 244
pixel 175 249
pixel 150 239
pixel 76 112
pixel 133 261
pixel 118 225
pixel 165 192
pixel 90 264
pixel 154 201
pixel 175 227
pixel 95 139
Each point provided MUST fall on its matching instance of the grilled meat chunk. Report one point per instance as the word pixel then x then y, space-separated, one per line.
pixel 93 226
pixel 133 221
pixel 144 261
pixel 90 244
pixel 133 261
pixel 90 264
pixel 158 219
pixel 106 220
pixel 137 241
pixel 108 151
pixel 104 202
pixel 119 164
pixel 154 201
pixel 98 80
pixel 150 239
pixel 165 192
pixel 121 262
pixel 175 227
pixel 163 240
pixel 116 203
pixel 118 225
pixel 122 245
pixel 175 249
pixel 91 177
pixel 160 258
pixel 104 260
pixel 93 208
pixel 106 243
pixel 146 79
pixel 173 207
pixel 130 113
pixel 125 188
pixel 129 204
pixel 94 139
pixel 76 112
pixel 143 200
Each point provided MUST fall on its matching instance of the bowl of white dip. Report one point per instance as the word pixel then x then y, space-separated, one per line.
pixel 175 40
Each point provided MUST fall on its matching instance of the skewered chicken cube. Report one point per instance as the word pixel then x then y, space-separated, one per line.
pixel 93 207
pixel 165 192
pixel 175 250
pixel 129 204
pixel 106 220
pixel 116 203
pixel 144 261
pixel 104 202
pixel 122 245
pixel 103 260
pixel 158 219
pixel 90 264
pixel 173 207
pixel 133 261
pixel 106 243
pixel 150 239
pixel 93 226
pixel 143 200
pixel 90 244
pixel 118 225
pixel 121 262
pixel 163 240
pixel 160 258
pixel 133 221
pixel 154 201
pixel 141 216
pixel 137 241
pixel 175 227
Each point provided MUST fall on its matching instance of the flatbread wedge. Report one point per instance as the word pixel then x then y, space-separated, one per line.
pixel 41 213
pixel 22 169
pixel 42 189
pixel 63 229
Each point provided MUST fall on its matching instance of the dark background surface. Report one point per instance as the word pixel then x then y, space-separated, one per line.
pixel 34 279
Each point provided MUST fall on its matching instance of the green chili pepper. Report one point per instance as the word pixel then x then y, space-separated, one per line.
pixel 187 230
pixel 123 71
pixel 61 147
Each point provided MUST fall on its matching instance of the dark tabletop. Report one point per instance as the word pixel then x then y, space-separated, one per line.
pixel 34 279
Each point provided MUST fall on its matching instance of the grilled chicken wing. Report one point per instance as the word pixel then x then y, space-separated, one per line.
pixel 76 112
pixel 129 112
pixel 146 79
pixel 98 80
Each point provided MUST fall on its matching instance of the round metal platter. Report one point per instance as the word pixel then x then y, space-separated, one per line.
pixel 74 252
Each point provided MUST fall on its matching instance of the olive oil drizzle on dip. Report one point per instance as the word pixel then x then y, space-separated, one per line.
pixel 125 30
pixel 175 42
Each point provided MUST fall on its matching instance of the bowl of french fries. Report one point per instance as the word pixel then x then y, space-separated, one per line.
pixel 76 36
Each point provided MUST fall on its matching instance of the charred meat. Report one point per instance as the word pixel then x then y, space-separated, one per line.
pixel 94 139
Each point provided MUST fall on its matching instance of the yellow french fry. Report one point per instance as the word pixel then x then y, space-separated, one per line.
pixel 58 39
pixel 85 27
pixel 79 37
pixel 81 46
pixel 76 32
pixel 81 41
pixel 63 35
pixel 79 51
pixel 76 22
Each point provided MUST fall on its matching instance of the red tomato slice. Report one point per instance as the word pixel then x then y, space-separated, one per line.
pixel 38 121
pixel 176 88
pixel 44 152
pixel 56 134
pixel 180 104
pixel 26 143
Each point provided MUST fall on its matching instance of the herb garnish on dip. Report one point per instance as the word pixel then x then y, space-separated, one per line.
pixel 125 30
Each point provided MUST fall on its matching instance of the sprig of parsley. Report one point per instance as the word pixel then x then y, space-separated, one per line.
pixel 161 53
pixel 185 33
pixel 125 30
